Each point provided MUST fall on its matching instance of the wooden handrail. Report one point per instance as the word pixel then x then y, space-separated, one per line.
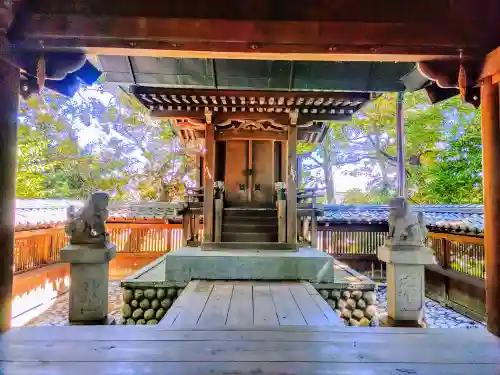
pixel 41 247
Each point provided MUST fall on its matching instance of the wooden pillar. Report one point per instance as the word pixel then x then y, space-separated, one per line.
pixel 199 174
pixel 9 103
pixel 291 204
pixel 314 224
pixel 400 140
pixel 284 160
pixel 490 107
pixel 219 211
pixel 208 201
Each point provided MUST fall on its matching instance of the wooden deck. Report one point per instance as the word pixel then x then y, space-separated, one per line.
pixel 246 303
pixel 169 349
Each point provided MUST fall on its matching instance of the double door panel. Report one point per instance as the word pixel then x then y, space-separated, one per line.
pixel 249 172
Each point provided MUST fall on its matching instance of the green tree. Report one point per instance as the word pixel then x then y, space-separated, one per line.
pixel 369 142
pixel 453 174
pixel 134 157
pixel 51 162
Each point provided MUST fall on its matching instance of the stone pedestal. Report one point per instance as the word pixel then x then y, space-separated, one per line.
pixel 88 294
pixel 405 282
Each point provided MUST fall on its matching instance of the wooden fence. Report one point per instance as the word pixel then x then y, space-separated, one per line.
pixel 356 245
pixel 41 247
pixel 456 279
pixel 37 248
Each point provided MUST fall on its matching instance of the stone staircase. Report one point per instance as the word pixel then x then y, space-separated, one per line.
pixel 250 225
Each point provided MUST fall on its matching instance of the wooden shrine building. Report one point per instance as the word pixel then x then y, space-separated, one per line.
pixel 248 141
pixel 452 46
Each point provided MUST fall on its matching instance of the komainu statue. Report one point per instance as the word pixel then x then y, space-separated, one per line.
pixel 86 226
pixel 405 227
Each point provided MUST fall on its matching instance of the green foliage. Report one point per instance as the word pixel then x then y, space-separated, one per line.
pixel 454 175
pixel 130 156
pixel 442 148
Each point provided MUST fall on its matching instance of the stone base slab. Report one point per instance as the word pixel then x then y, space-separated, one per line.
pixel 81 253
pixel 306 264
pixel 419 255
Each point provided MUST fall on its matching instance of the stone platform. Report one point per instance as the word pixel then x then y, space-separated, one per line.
pixel 186 264
pixel 160 274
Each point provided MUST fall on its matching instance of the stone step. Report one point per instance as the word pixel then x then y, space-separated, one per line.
pixel 262 213
pixel 246 227
pixel 254 246
pixel 249 237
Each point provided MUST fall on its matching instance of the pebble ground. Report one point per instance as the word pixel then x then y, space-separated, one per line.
pixel 437 316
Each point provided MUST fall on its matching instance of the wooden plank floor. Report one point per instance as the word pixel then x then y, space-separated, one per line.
pixel 236 303
pixel 284 350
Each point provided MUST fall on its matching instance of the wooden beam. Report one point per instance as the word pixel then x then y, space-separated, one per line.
pixel 208 201
pixel 384 54
pixel 291 197
pixel 257 135
pixel 490 111
pixel 279 117
pixel 491 65
pixel 368 33
pixel 9 103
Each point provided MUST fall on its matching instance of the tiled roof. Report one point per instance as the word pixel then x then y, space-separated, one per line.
pixel 153 210
pixel 457 218
pixel 42 213
pixel 46 213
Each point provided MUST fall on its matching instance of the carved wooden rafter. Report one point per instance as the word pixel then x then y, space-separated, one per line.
pixel 252 125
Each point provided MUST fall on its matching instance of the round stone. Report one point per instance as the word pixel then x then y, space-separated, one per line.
pixel 155 304
pixel 149 314
pixel 350 304
pixel 134 303
pixel 179 291
pixel 126 311
pixel 331 302
pixel 356 294
pixel 138 294
pixel 353 322
pixel 364 322
pixel 160 313
pixel 324 293
pixel 141 321
pixel 161 293
pixel 341 304
pixel 335 294
pixel 128 295
pixel 370 297
pixel 150 294
pixel 152 321
pixel 346 314
pixel 138 313
pixel 370 312
pixel 346 294
pixel 357 314
pixel 171 292
pixel 144 304
pixel 166 303
pixel 130 322
pixel 361 304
